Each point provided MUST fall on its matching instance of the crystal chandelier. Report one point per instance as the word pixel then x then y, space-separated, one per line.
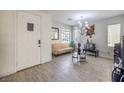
pixel 82 24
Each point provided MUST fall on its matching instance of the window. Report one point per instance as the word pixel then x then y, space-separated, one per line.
pixel 66 36
pixel 30 26
pixel 113 34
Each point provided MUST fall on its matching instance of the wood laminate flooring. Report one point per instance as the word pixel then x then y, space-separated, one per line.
pixel 62 69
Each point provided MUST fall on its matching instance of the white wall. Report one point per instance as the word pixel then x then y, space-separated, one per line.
pixel 101 34
pixel 76 34
pixel 8 40
pixel 60 26
pixel 46 41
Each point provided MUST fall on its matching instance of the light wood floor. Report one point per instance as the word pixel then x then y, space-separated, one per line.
pixel 61 69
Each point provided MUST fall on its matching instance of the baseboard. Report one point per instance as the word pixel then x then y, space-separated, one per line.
pixel 107 57
pixel 7 73
pixel 46 61
pixel 14 71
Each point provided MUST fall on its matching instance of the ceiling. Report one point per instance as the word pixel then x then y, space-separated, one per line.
pixel 71 17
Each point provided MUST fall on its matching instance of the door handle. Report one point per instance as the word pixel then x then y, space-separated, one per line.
pixel 39 42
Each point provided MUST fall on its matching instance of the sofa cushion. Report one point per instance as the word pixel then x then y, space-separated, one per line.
pixel 65 49
pixel 59 48
pixel 60 45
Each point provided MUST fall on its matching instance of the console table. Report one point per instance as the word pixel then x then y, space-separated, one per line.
pixel 96 51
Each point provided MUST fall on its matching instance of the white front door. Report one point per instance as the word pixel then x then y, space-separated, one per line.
pixel 28 36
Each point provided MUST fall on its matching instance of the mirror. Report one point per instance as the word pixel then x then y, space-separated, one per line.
pixel 55 33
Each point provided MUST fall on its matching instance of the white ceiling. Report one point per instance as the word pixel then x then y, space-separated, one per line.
pixel 89 15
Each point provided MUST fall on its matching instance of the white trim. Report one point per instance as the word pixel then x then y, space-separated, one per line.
pixel 7 73
pixel 106 57
pixel 15 24
pixel 46 61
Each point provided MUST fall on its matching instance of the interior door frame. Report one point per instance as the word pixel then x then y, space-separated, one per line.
pixel 16 34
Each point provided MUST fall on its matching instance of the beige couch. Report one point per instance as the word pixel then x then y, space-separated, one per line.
pixel 60 48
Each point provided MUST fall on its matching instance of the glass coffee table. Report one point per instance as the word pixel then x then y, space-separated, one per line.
pixel 79 57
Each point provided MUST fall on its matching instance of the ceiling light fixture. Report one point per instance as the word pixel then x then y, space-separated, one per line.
pixel 82 21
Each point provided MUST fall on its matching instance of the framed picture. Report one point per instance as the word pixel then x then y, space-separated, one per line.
pixel 55 33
